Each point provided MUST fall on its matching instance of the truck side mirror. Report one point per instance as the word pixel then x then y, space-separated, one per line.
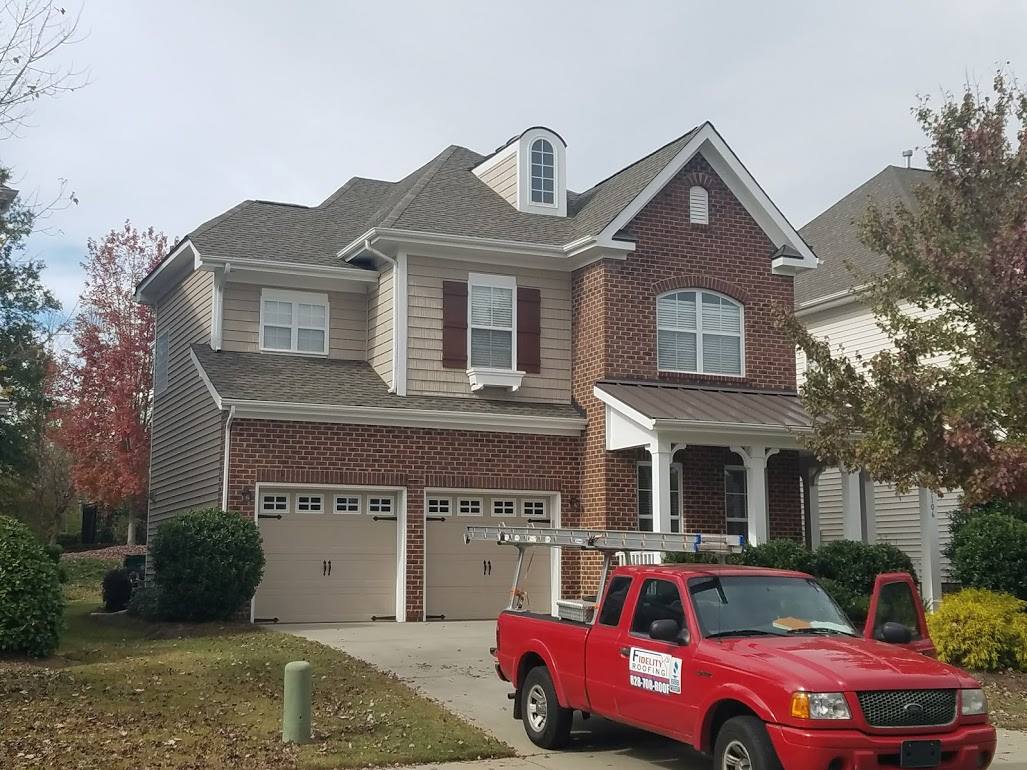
pixel 665 631
pixel 896 633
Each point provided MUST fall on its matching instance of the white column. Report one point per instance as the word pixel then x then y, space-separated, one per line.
pixel 852 510
pixel 813 494
pixel 869 510
pixel 930 549
pixel 661 453
pixel 755 460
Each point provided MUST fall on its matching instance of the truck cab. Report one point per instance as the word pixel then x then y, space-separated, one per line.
pixel 758 667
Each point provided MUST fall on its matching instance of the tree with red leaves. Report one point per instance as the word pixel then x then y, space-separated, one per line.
pixel 946 407
pixel 105 419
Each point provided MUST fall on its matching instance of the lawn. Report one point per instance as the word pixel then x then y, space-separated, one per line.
pixel 122 693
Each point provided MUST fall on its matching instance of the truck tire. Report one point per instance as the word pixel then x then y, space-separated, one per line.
pixel 547 723
pixel 743 744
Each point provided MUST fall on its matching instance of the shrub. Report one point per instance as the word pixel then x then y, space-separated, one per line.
pixel 207 564
pixel 990 551
pixel 981 629
pixel 145 603
pixel 31 603
pixel 856 565
pixel 855 605
pixel 779 554
pixel 117 590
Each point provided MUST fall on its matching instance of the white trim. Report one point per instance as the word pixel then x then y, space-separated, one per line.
pixel 400 301
pixel 502 154
pixel 830 301
pixel 218 401
pixel 210 262
pixel 736 520
pixel 628 411
pixel 227 457
pixel 491 281
pixel 295 298
pixel 698 331
pixel 171 260
pixel 524 201
pixel 217 305
pixel 680 468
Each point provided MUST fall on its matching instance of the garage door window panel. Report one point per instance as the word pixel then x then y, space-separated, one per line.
pixel 470 506
pixel 308 503
pixel 274 503
pixel 440 506
pixel 347 504
pixel 380 505
pixel 504 507
pixel 533 509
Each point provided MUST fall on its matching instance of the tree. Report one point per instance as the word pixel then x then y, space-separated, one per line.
pixel 947 406
pixel 105 422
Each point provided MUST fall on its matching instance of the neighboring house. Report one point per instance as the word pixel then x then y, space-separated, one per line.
pixel 827 300
pixel 477 344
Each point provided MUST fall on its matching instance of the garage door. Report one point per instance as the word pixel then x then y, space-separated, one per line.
pixel 472 582
pixel 330 556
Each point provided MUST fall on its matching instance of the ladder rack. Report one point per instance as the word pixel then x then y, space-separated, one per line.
pixel 606 540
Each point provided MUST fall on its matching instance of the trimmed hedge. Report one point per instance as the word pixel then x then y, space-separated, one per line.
pixel 117 590
pixel 990 551
pixel 207 564
pixel 855 565
pixel 981 629
pixel 31 602
pixel 779 554
pixel 145 604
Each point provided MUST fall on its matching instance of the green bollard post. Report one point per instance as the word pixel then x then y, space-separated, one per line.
pixel 296 703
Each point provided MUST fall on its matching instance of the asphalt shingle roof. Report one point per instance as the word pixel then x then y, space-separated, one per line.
pixel 329 381
pixel 834 235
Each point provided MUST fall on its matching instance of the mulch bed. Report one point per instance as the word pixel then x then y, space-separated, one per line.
pixel 110 552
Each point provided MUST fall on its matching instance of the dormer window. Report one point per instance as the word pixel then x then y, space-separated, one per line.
pixel 698 206
pixel 543 172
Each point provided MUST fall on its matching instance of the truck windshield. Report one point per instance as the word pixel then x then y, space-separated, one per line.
pixel 743 605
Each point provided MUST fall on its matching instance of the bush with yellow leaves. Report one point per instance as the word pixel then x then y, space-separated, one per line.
pixel 981 629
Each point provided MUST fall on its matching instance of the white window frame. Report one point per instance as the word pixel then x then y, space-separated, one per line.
pixel 337 496
pixel 745 518
pixel 693 214
pixel 677 516
pixel 275 508
pixel 436 502
pixel 460 506
pixel 296 298
pixel 161 363
pixel 381 497
pixel 534 501
pixel 310 498
pixel 513 507
pixel 556 174
pixel 698 331
pixel 493 282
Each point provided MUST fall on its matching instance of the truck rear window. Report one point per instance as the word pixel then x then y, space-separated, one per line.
pixel 614 604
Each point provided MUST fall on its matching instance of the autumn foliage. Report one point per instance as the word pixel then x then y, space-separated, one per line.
pixel 105 419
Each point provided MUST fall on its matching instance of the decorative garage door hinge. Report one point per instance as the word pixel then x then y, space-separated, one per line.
pixel 269 515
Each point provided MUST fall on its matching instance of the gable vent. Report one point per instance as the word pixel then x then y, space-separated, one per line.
pixel 698 206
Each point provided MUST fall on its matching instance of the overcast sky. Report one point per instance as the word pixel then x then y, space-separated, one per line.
pixel 194 106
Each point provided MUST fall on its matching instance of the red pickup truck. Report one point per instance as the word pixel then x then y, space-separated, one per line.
pixel 759 667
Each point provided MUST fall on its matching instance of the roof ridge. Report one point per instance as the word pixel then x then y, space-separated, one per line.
pixel 426 173
pixel 350 183
pixel 644 157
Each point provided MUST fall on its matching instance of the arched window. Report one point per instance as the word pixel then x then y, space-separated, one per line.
pixel 698 206
pixel 699 332
pixel 543 173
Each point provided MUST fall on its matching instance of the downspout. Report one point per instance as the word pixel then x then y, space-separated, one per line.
pixel 224 471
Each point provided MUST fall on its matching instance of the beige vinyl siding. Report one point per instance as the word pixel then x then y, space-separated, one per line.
pixel 502 178
pixel 897 518
pixel 186 450
pixel 379 326
pixel 425 373
pixel 831 524
pixel 347 321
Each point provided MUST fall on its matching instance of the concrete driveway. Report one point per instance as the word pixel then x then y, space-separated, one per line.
pixel 450 662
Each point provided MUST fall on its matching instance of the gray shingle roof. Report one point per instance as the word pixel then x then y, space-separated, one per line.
pixel 328 381
pixel 443 196
pixel 834 235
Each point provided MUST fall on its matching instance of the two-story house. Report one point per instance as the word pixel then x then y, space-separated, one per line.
pixel 477 344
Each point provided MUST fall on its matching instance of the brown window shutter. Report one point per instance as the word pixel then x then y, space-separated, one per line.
pixel 529 329
pixel 454 324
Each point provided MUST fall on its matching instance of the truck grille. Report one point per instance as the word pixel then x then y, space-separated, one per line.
pixel 908 708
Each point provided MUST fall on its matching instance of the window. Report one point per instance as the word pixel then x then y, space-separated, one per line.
pixel 347 504
pixel 735 506
pixel 698 206
pixel 699 332
pixel 274 503
pixel 160 363
pixel 543 173
pixel 469 506
pixel 293 322
pixel 895 604
pixel 382 505
pixel 504 508
pixel 645 497
pixel 492 321
pixel 533 509
pixel 439 506
pixel 658 600
pixel 310 503
pixel 613 605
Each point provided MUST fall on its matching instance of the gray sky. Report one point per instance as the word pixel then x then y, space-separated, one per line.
pixel 194 106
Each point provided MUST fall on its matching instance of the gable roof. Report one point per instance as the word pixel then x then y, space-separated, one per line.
pixel 834 234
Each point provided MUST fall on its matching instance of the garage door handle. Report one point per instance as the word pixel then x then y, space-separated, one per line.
pixel 329 567
pixel 490 567
pixel 484 567
pixel 324 568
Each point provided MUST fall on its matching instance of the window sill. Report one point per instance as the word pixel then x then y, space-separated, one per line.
pixel 308 353
pixel 494 378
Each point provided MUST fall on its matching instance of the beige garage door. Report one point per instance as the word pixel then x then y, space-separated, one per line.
pixel 473 582
pixel 330 556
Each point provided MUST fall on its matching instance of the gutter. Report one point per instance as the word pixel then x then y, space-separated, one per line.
pixel 829 301
pixel 224 471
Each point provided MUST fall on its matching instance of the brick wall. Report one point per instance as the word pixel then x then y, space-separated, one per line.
pixel 321 453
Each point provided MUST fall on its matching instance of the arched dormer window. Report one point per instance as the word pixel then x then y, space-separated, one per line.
pixel 698 206
pixel 543 173
pixel 700 332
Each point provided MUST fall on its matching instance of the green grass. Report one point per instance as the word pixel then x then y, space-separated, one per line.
pixel 122 693
pixel 84 577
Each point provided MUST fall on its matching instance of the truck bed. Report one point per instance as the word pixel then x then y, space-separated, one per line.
pixel 562 641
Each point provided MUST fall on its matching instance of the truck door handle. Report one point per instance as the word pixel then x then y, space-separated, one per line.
pixel 324 568
pixel 625 652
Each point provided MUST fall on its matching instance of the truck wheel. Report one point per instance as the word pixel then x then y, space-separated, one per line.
pixel 547 723
pixel 743 744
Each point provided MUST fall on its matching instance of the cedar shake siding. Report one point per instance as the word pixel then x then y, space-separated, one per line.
pixel 186 451
pixel 427 373
pixel 379 326
pixel 502 178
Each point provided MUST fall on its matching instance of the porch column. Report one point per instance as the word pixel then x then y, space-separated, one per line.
pixel 755 460
pixel 661 453
pixel 852 510
pixel 868 511
pixel 930 550
pixel 811 481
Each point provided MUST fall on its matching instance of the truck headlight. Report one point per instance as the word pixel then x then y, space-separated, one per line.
pixel 972 702
pixel 820 705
